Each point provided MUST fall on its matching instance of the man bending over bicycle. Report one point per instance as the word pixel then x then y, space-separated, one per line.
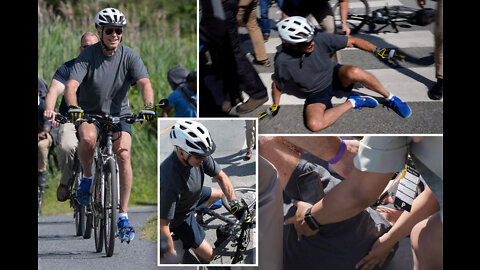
pixel 103 74
pixel 182 175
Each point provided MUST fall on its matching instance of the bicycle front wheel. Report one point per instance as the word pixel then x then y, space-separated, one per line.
pixel 110 205
pixel 97 211
pixel 358 15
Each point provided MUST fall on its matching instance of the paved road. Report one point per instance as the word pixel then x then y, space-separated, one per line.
pixel 229 137
pixel 409 81
pixel 59 248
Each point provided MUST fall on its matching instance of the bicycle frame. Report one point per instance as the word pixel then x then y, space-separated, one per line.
pixel 234 230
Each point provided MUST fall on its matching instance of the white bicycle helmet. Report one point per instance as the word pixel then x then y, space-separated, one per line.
pixel 295 30
pixel 111 17
pixel 192 137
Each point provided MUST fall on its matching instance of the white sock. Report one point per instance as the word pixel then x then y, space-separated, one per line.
pixel 90 178
pixel 391 96
pixel 352 101
pixel 122 215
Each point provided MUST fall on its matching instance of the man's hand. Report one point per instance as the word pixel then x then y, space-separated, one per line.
pixel 75 112
pixel 148 113
pixel 298 221
pixel 388 54
pixel 50 116
pixel 236 209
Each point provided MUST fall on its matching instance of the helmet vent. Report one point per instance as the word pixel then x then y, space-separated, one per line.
pixel 201 130
pixel 192 145
pixel 192 134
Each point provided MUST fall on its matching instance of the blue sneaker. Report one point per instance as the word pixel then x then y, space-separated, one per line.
pixel 400 107
pixel 216 205
pixel 83 191
pixel 363 101
pixel 125 230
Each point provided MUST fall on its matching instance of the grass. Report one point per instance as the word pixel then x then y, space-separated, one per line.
pixel 149 230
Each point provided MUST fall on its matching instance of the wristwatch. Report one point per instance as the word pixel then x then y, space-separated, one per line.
pixel 310 220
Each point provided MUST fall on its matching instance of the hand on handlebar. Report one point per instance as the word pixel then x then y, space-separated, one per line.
pixel 148 113
pixel 75 112
pixel 237 210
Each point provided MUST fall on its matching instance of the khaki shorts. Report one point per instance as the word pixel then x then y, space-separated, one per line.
pixel 384 154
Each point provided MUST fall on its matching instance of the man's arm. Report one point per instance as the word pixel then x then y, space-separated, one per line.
pixel 226 185
pixel 71 92
pixel 56 88
pixel 165 233
pixel 146 89
pixel 361 44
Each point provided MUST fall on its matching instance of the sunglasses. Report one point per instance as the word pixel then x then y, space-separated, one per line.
pixel 118 31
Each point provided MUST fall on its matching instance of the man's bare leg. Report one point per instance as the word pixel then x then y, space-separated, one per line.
pixel 121 148
pixel 352 74
pixel 318 117
pixel 205 251
pixel 86 147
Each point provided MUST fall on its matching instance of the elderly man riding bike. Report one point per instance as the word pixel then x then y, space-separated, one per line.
pixel 103 74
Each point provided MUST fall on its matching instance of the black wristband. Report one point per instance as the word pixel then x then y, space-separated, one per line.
pixel 310 220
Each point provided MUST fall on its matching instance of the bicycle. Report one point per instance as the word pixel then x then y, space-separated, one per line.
pixel 230 229
pixel 80 212
pixel 359 15
pixel 42 184
pixel 105 191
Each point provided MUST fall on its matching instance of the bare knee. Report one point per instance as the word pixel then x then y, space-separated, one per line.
pixel 355 74
pixel 315 124
pixel 215 195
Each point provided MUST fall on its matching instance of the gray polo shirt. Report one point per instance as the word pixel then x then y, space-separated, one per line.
pixel 302 75
pixel 105 80
pixel 181 187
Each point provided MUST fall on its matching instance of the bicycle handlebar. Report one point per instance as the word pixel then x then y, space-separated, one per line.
pixel 90 118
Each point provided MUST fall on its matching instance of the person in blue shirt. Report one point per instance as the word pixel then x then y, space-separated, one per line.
pixel 183 99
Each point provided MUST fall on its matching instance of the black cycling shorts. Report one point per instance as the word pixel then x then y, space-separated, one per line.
pixel 335 89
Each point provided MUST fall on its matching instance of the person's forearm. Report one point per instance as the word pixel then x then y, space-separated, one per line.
pixel 226 186
pixel 146 89
pixel 276 93
pixel 350 197
pixel 56 88
pixel 165 232
pixel 422 207
pixel 71 92
pixel 343 4
pixel 361 44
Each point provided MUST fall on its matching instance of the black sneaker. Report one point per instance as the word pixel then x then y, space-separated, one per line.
pixel 436 92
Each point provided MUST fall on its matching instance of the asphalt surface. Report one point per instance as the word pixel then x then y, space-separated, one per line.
pixel 409 80
pixel 229 137
pixel 60 248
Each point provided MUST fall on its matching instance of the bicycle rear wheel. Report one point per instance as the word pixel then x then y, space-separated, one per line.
pixel 110 206
pixel 358 15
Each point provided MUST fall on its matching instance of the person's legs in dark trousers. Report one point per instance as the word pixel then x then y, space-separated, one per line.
pixel 249 80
